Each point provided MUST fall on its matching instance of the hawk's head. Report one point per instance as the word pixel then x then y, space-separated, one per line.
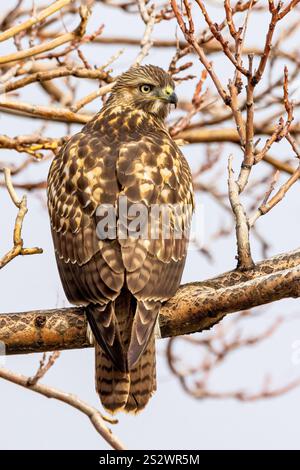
pixel 145 87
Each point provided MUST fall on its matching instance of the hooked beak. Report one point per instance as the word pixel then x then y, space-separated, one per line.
pixel 173 99
pixel 168 95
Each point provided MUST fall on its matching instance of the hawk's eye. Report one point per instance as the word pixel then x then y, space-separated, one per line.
pixel 146 88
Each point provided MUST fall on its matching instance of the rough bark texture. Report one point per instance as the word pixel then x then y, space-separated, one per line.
pixel 195 307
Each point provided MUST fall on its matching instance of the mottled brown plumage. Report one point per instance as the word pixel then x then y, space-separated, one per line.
pixel 125 150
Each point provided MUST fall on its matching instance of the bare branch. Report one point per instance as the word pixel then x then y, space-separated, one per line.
pixel 93 414
pixel 242 229
pixel 56 6
pixel 21 204
pixel 195 307
pixel 33 51
pixel 189 36
pixel 43 368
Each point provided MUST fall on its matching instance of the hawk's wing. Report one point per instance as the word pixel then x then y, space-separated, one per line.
pixel 154 174
pixel 81 177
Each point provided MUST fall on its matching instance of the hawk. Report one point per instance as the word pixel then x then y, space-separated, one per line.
pixel 124 151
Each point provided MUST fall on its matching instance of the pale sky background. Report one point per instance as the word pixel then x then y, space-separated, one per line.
pixel 172 420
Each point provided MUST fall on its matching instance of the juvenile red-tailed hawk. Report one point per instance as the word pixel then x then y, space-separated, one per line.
pixel 124 151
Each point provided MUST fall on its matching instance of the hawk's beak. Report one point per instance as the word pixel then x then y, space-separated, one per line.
pixel 173 99
pixel 168 94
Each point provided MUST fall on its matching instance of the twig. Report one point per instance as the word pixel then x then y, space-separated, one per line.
pixel 148 17
pixel 265 207
pixel 283 128
pixel 43 367
pixel 92 413
pixel 189 36
pixel 217 348
pixel 21 204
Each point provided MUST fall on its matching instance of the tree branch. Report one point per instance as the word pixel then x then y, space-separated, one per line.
pixel 92 413
pixel 67 37
pixel 56 6
pixel 18 244
pixel 195 307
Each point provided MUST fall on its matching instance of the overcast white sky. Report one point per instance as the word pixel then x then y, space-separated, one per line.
pixel 172 419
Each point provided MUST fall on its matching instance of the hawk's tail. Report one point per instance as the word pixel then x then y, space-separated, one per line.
pixel 131 390
pixel 126 391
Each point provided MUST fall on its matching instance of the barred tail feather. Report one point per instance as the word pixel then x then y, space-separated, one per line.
pixel 121 391
pixel 112 385
pixel 142 380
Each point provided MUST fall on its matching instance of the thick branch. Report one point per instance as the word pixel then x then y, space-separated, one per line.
pixel 195 307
